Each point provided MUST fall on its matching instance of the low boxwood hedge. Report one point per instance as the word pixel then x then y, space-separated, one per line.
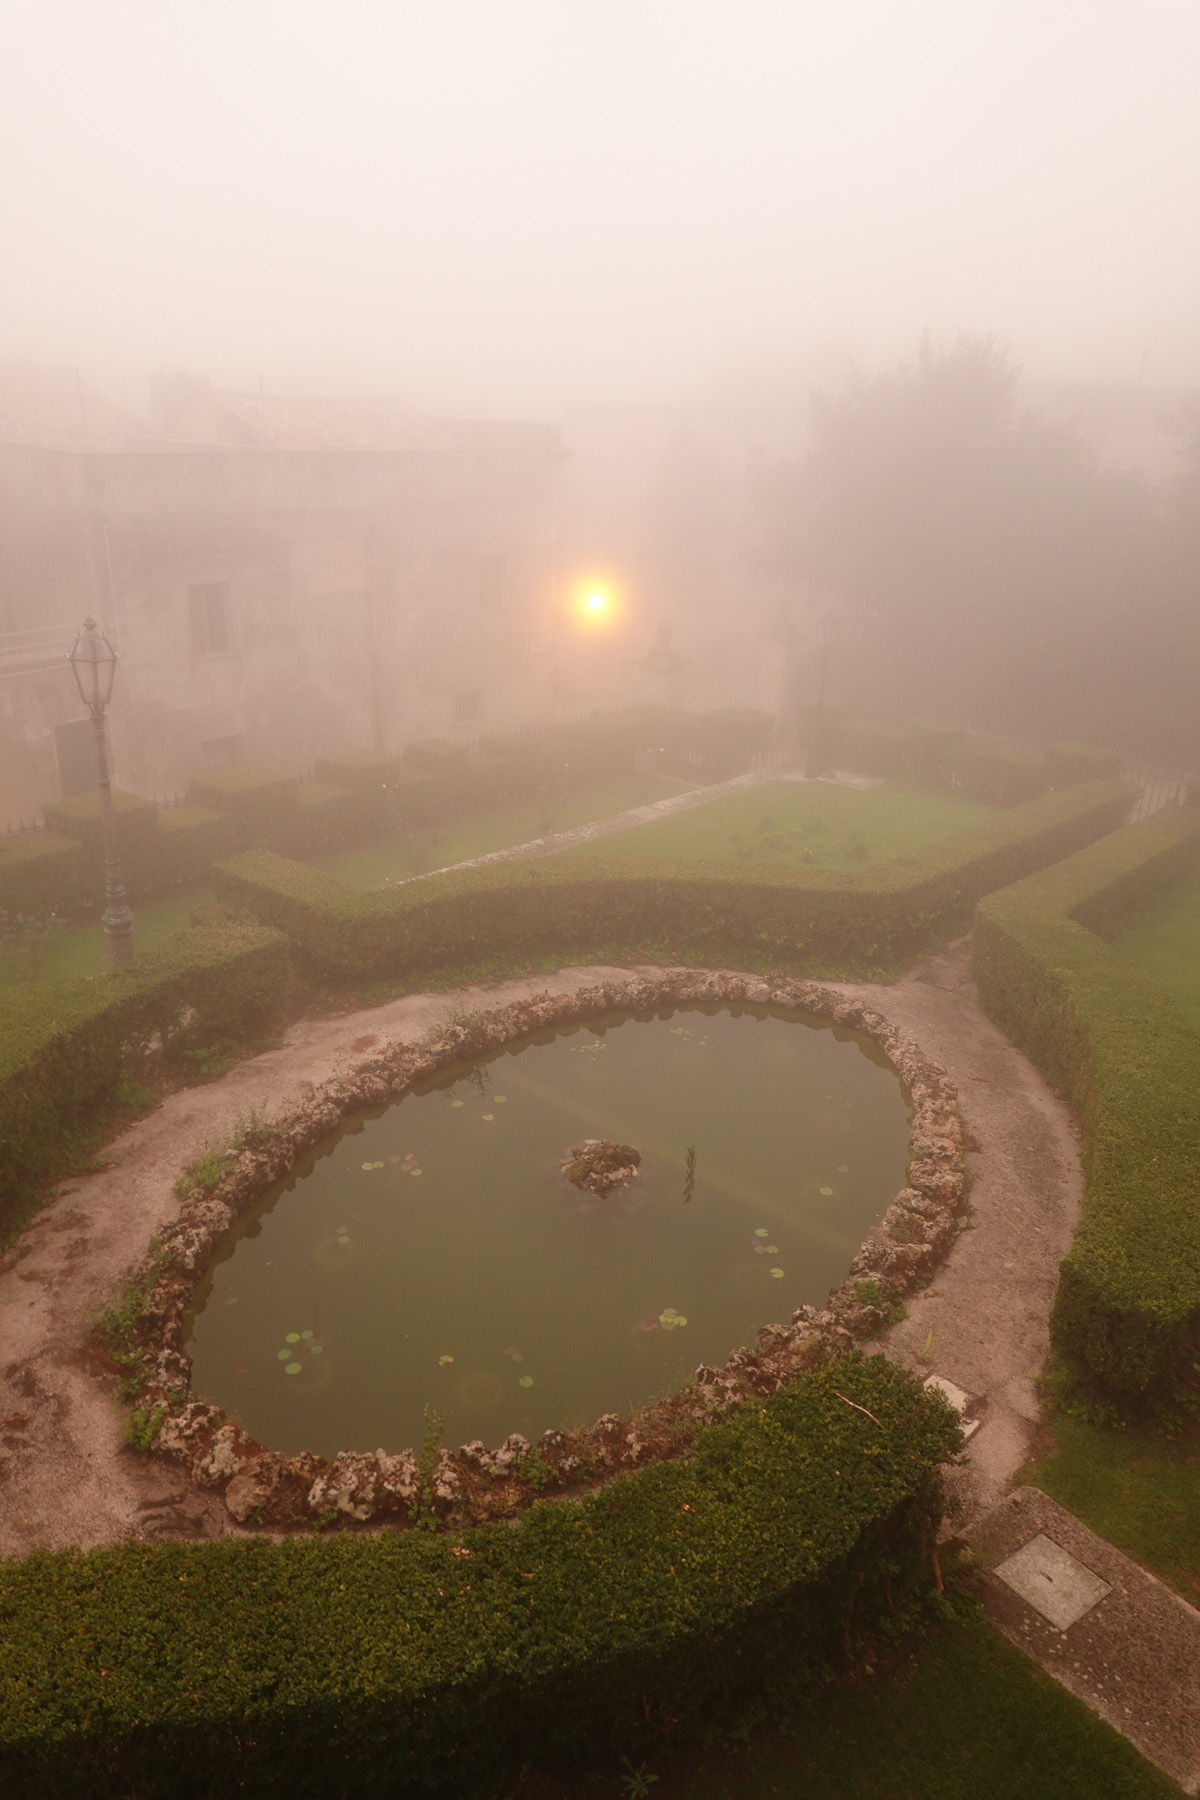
pixel 521 913
pixel 42 872
pixel 1127 1312
pixel 659 1604
pixel 65 1045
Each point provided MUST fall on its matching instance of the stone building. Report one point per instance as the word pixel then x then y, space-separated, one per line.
pixel 284 578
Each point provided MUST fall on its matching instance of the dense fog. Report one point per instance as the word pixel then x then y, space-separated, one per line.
pixel 342 349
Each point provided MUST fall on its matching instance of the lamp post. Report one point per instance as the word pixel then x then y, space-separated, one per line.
pixel 94 662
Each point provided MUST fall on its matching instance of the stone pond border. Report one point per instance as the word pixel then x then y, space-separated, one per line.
pixel 262 1488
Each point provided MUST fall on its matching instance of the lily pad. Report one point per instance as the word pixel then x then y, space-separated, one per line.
pixel 843 1168
pixel 292 1337
pixel 778 1274
pixel 443 1360
pixel 457 1103
pixel 761 1231
pixel 679 1319
pixel 416 1171
pixel 306 1335
pixel 489 1116
pixel 317 1349
pixel 527 1381
pixel 500 1099
pixel 650 1324
pixel 772 1249
pixel 283 1355
pixel 827 1192
pixel 369 1165
pixel 232 1300
pixel 292 1369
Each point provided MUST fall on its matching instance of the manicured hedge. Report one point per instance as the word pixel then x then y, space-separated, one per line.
pixel 190 840
pixel 42 872
pixel 65 1045
pixel 521 913
pixel 159 847
pixel 995 773
pixel 1068 763
pixel 411 1662
pixel 261 800
pixel 1127 1313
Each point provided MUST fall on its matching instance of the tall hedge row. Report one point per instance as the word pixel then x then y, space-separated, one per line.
pixel 1127 1312
pixel 65 1045
pixel 524 912
pixel 410 1662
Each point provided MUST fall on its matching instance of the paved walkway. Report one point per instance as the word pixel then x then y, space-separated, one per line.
pixel 1110 1632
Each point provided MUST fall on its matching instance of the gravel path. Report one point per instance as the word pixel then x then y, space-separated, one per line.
pixel 67 1477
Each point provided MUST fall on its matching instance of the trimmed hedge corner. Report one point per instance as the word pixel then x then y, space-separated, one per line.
pixel 1127 1312
pixel 65 1045
pixel 753 1568
pixel 521 913
pixel 42 872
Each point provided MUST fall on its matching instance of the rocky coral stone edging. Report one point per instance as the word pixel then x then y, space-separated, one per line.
pixel 475 1483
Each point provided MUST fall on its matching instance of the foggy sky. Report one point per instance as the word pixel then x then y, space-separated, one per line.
pixel 510 205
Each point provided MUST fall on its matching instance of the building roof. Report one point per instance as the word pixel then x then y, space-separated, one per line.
pixel 54 409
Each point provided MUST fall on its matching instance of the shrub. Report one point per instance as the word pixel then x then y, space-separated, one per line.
pixel 42 872
pixel 1067 764
pixel 65 1045
pixel 362 770
pixel 190 840
pixel 1127 1312
pixel 932 749
pixel 995 773
pixel 565 909
pixel 666 1601
pixel 262 801
pixel 870 747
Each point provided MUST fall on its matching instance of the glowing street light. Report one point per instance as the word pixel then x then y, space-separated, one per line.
pixel 94 664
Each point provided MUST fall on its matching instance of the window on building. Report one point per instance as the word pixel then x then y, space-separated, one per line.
pixel 208 614
pixel 468 705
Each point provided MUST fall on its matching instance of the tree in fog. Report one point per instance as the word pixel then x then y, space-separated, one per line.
pixel 985 544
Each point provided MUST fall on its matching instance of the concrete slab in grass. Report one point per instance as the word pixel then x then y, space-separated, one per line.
pixel 1043 1573
pixel 1132 1652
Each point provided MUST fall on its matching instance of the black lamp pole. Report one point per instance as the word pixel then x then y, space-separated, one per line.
pixel 94 662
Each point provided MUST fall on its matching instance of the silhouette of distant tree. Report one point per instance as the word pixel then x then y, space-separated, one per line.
pixel 988 547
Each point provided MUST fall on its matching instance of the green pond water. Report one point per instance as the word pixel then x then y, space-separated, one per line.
pixel 434 1254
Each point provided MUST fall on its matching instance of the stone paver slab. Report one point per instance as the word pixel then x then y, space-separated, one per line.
pixel 1046 1575
pixel 1133 1655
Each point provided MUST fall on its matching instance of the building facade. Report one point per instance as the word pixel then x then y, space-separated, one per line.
pixel 283 578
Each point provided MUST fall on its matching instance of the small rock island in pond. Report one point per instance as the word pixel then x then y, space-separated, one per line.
pixel 600 1166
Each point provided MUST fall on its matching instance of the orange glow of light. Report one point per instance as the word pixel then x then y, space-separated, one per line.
pixel 594 599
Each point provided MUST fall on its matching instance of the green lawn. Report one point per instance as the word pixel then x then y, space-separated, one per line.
pixel 964 1716
pixel 797 825
pixel 1165 938
pixel 81 948
pixel 1136 1488
pixel 413 853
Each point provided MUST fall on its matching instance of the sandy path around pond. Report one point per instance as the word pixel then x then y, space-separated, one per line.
pixel 67 1475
